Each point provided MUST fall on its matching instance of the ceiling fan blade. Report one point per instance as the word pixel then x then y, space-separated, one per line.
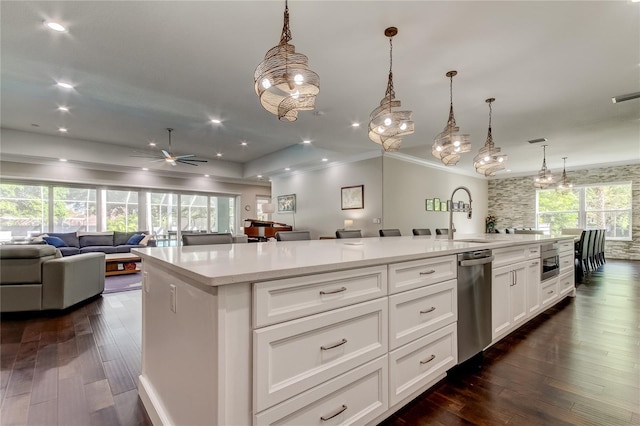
pixel 194 159
pixel 185 156
pixel 186 162
pixel 166 154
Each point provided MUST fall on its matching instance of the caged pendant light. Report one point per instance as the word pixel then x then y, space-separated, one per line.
pixel 544 179
pixel 564 182
pixel 387 126
pixel 283 80
pixel 449 144
pixel 489 160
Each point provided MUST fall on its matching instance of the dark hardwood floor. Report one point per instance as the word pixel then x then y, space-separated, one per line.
pixel 578 363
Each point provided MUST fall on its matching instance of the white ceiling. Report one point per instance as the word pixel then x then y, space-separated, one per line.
pixel 140 67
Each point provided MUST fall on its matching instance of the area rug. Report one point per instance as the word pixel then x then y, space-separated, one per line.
pixel 118 283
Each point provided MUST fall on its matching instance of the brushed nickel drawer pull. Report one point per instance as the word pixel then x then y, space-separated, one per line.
pixel 340 343
pixel 431 358
pixel 429 272
pixel 550 292
pixel 340 411
pixel 340 290
pixel 431 309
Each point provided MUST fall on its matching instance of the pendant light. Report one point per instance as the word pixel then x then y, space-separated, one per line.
pixel 544 179
pixel 489 160
pixel 386 125
pixel 283 81
pixel 449 144
pixel 564 182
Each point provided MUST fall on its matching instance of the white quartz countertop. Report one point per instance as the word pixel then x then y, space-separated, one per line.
pixel 223 264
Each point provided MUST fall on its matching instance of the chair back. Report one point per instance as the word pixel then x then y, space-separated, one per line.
pixel 341 233
pixel 390 233
pixel 421 231
pixel 206 239
pixel 585 241
pixel 293 235
pixel 442 231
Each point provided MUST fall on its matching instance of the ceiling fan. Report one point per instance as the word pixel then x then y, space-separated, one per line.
pixel 173 159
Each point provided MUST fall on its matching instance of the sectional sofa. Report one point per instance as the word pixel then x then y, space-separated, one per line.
pixel 70 243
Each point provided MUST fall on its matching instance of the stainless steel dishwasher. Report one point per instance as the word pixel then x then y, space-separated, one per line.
pixel 474 303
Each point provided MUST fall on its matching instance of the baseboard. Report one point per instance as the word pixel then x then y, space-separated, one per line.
pixel 155 410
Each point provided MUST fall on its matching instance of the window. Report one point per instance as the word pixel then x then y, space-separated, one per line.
pixel 261 201
pixel 121 210
pixel 589 207
pixel 74 209
pixel 24 209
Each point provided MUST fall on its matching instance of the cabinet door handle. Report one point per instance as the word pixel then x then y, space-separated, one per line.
pixel 550 292
pixel 429 272
pixel 431 309
pixel 340 411
pixel 426 361
pixel 338 290
pixel 335 345
pixel 534 263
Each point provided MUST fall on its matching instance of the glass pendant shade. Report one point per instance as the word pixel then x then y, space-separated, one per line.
pixel 450 143
pixel 283 81
pixel 544 179
pixel 489 160
pixel 564 182
pixel 387 126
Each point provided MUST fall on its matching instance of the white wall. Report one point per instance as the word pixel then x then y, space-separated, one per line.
pixel 318 198
pixel 408 184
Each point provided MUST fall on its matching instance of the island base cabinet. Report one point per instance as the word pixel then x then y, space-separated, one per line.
pixel 421 362
pixel 356 397
pixel 549 292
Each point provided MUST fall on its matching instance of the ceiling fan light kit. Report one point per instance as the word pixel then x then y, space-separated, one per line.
pixel 283 81
pixel 450 143
pixel 387 125
pixel 171 158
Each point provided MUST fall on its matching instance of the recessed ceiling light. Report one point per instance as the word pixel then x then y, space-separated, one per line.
pixel 56 26
pixel 243 143
pixel 306 141
pixel 259 176
pixel 145 169
pixel 63 129
pixel 325 159
pixel 206 175
pixel 63 108
pixel 215 121
pixel 355 124
pixel 65 85
pixel 287 169
pixel 64 160
pixel 152 144
pixel 219 154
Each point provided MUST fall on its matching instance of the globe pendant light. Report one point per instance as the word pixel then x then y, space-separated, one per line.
pixel 544 179
pixel 564 183
pixel 283 81
pixel 449 144
pixel 386 126
pixel 489 160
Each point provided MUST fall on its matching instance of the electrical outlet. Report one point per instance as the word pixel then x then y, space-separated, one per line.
pixel 172 298
pixel 377 220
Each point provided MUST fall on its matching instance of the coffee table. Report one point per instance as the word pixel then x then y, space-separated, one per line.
pixel 121 264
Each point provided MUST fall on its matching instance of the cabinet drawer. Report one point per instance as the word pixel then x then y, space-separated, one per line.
pixel 418 273
pixel 566 284
pixel 357 397
pixel 566 246
pixel 416 313
pixel 283 300
pixel 507 256
pixel 549 291
pixel 414 365
pixel 290 358
pixel 533 252
pixel 566 263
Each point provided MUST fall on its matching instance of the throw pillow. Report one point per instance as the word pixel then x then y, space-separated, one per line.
pixel 135 239
pixel 39 238
pixel 145 240
pixel 55 241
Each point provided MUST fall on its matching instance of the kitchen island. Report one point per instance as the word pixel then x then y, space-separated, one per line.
pixel 314 332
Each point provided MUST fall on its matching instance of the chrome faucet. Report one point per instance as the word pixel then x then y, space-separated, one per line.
pixel 460 209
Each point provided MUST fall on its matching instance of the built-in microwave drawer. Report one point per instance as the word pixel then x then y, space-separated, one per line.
pixel 419 273
pixel 286 299
pixel 292 357
pixel 417 364
pixel 416 313
pixel 356 397
pixel 567 262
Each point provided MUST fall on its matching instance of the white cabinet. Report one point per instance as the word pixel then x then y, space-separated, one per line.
pixel 508 297
pixel 533 288
pixel 549 292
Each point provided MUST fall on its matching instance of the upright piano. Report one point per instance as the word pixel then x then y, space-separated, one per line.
pixel 261 230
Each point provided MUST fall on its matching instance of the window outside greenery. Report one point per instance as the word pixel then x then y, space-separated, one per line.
pixel 121 210
pixel 24 209
pixel 590 207
pixel 74 209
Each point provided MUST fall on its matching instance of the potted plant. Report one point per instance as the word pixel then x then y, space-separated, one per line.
pixel 491 222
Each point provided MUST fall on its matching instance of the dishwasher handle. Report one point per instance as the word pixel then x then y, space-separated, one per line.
pixel 474 262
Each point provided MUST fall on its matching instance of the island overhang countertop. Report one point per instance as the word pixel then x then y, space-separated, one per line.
pixel 223 264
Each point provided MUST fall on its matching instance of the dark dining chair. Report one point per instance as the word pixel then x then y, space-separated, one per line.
pixel 389 233
pixel 342 233
pixel 442 231
pixel 421 231
pixel 293 235
pixel 206 239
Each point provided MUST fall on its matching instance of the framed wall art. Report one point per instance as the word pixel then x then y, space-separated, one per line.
pixel 443 206
pixel 429 204
pixel 287 203
pixel 352 197
pixel 436 204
